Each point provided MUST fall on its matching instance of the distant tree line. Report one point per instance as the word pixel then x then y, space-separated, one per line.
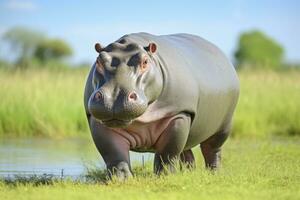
pixel 29 45
pixel 254 50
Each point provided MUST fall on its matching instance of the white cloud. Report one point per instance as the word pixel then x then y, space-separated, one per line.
pixel 18 5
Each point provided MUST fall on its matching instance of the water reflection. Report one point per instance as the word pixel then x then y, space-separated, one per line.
pixel 39 156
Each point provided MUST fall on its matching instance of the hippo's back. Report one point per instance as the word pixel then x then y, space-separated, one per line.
pixel 202 59
pixel 199 79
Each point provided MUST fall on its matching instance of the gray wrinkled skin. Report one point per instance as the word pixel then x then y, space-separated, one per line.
pixel 185 96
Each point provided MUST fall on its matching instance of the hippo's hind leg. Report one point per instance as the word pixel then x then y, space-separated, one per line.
pixel 187 159
pixel 211 149
pixel 171 144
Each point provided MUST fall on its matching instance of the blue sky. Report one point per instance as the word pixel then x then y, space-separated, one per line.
pixel 82 23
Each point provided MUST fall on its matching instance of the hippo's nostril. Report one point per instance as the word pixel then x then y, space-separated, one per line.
pixel 132 96
pixel 98 96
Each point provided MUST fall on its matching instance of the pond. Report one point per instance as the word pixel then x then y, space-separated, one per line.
pixel 45 156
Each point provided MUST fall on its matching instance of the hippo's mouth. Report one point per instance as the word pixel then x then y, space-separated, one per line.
pixel 116 123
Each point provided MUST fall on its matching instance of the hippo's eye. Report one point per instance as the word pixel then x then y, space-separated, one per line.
pixel 144 64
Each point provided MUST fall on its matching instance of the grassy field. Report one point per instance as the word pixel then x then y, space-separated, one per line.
pixel 261 161
pixel 252 169
pixel 42 103
pixel 269 104
pixel 49 103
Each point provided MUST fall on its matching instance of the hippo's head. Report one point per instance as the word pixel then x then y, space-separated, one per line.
pixel 126 80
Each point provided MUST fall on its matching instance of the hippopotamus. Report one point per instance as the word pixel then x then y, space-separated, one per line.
pixel 163 94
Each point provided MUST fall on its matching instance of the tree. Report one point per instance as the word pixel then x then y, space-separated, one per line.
pixel 52 49
pixel 257 49
pixel 23 42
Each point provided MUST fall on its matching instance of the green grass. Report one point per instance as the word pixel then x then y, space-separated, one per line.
pixel 252 169
pixel 50 103
pixel 42 103
pixel 269 103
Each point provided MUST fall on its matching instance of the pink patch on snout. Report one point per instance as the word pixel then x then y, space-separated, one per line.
pixel 132 96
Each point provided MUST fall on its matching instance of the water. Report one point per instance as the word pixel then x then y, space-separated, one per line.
pixel 46 156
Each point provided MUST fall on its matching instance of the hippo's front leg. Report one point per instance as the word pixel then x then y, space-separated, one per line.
pixel 171 143
pixel 113 148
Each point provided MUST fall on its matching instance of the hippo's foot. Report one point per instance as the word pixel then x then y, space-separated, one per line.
pixel 211 149
pixel 212 157
pixel 121 171
pixel 187 159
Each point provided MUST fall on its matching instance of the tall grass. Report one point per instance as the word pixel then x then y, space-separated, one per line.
pixel 50 103
pixel 42 103
pixel 269 103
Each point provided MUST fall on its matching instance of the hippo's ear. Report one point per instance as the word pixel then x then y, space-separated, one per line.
pixel 98 47
pixel 152 47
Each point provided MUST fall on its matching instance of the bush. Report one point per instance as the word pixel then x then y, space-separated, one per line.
pixel 255 49
pixel 52 49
